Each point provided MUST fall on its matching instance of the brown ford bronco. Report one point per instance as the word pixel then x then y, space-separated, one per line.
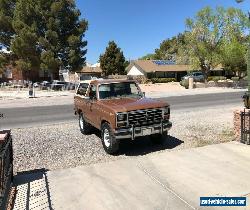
pixel 120 110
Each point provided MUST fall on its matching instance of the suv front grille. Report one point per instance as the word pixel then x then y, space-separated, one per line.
pixel 144 117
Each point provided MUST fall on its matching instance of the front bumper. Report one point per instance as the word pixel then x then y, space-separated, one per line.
pixel 133 132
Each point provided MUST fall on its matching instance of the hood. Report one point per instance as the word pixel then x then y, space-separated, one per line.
pixel 130 104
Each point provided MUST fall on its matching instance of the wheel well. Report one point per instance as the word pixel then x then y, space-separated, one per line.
pixel 104 121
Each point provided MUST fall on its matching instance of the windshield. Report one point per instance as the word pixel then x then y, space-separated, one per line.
pixel 119 90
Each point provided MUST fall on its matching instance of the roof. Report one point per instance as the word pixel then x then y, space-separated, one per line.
pixel 104 81
pixel 151 66
pixel 88 69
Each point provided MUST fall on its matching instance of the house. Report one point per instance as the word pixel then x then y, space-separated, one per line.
pixel 88 72
pixel 11 73
pixel 163 69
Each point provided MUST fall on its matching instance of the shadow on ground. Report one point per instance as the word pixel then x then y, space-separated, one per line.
pixel 143 145
pixel 32 190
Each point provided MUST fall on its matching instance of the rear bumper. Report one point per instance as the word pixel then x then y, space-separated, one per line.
pixel 133 132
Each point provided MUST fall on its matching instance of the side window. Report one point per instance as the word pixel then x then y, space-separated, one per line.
pixel 82 89
pixel 134 89
pixel 104 91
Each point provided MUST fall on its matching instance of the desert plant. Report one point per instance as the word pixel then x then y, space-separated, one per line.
pixel 139 79
pixel 245 78
pixel 163 80
pixel 235 79
pixel 184 83
pixel 216 78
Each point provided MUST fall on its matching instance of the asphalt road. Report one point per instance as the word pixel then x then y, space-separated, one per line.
pixel 35 116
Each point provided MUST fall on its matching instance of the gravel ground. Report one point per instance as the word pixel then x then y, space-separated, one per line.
pixel 63 146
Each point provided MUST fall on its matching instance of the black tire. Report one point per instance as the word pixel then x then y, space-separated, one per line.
pixel 109 141
pixel 158 138
pixel 85 127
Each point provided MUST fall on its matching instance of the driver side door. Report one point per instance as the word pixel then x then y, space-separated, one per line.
pixel 91 105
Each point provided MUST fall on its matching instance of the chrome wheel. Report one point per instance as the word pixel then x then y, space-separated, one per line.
pixel 81 122
pixel 106 138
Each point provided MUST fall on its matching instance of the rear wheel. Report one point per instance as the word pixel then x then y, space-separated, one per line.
pixel 158 138
pixel 109 141
pixel 85 127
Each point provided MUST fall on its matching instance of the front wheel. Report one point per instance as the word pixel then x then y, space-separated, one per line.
pixel 109 141
pixel 85 127
pixel 158 138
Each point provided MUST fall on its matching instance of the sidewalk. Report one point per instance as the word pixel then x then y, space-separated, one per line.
pixel 170 180
pixel 196 91
pixel 24 94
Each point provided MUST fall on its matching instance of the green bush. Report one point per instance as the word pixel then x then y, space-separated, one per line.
pixel 235 79
pixel 163 80
pixel 184 83
pixel 216 78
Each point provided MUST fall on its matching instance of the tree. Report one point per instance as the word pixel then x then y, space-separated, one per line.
pixel 6 15
pixel 113 60
pixel 63 44
pixel 150 56
pixel 248 55
pixel 44 34
pixel 169 48
pixel 6 31
pixel 208 31
pixel 172 49
pixel 3 62
pixel 233 57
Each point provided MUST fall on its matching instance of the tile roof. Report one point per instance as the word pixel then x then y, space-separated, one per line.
pixel 149 66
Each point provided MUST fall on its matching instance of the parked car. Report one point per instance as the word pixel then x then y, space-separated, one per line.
pixel 70 86
pixel 45 85
pixel 58 85
pixel 198 76
pixel 36 84
pixel 120 110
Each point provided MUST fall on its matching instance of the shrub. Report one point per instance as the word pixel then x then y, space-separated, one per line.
pixel 184 83
pixel 163 80
pixel 117 76
pixel 235 79
pixel 216 78
pixel 139 79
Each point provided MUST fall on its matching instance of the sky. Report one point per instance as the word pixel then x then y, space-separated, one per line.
pixel 139 26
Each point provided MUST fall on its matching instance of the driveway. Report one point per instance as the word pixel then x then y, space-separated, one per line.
pixel 169 180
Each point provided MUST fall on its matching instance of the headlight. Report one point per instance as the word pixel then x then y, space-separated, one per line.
pixel 121 117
